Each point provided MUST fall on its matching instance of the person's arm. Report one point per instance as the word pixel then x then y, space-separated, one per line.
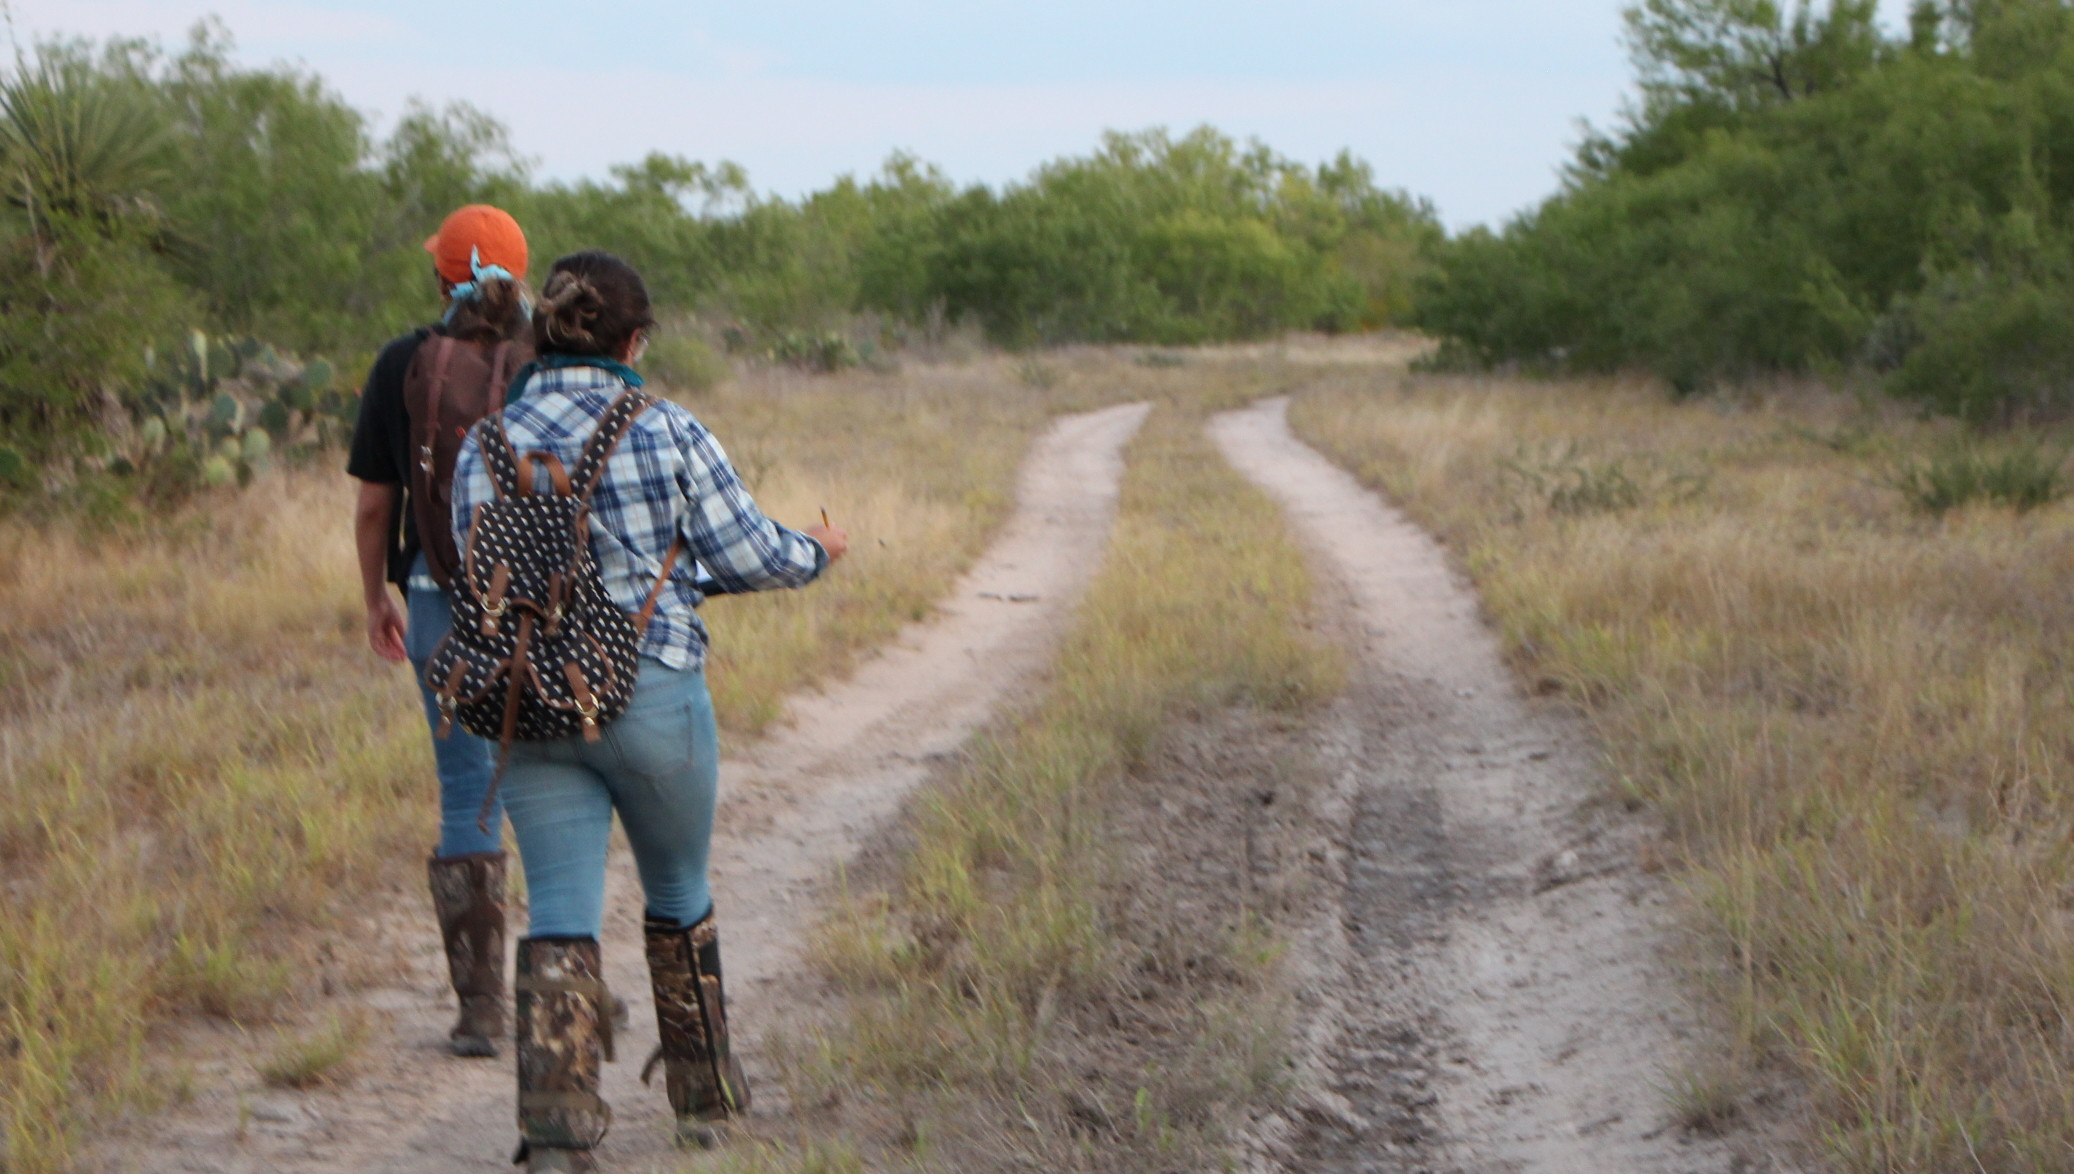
pixel 371 460
pixel 373 514
pixel 740 548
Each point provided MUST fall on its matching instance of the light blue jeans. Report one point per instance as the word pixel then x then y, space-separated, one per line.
pixel 658 765
pixel 465 762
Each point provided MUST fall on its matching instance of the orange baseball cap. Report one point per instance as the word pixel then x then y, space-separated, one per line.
pixel 477 230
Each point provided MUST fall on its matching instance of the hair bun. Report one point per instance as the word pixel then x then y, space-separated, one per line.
pixel 593 304
pixel 569 304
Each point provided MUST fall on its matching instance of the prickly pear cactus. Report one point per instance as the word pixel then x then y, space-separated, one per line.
pixel 223 360
pixel 225 412
pixel 215 411
pixel 273 416
pixel 15 471
pixel 295 395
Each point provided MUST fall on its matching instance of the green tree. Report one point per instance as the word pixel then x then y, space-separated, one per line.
pixel 1749 52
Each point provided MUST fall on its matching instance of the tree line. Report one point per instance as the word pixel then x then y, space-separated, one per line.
pixel 1796 189
pixel 155 200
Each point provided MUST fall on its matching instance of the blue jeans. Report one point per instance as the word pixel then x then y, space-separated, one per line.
pixel 659 767
pixel 466 763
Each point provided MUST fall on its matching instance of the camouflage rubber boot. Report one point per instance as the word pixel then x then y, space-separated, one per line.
pixel 703 1078
pixel 468 895
pixel 564 1035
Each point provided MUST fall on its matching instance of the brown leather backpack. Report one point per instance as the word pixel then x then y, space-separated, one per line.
pixel 450 385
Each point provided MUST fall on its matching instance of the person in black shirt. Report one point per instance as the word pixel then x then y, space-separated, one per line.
pixel 479 255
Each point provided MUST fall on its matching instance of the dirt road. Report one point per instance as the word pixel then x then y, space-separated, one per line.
pixel 792 811
pixel 1490 996
pixel 1487 995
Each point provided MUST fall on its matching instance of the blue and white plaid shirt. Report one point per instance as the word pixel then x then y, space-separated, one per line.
pixel 668 476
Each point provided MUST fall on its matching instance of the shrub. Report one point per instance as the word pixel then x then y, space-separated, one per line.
pixel 2022 476
pixel 685 362
pixel 1566 479
pixel 822 351
pixel 1992 355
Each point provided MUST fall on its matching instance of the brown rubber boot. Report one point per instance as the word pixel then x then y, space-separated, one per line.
pixel 468 895
pixel 704 1080
pixel 564 1036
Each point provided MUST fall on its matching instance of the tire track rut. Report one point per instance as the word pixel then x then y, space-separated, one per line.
pixel 1492 995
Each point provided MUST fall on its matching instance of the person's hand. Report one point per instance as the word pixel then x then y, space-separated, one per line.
pixel 833 539
pixel 385 628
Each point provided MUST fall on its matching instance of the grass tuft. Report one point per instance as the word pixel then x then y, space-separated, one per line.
pixel 2021 476
pixel 314 1059
pixel 1567 479
pixel 1706 1101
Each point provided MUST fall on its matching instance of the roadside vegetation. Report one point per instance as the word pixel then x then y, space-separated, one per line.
pixel 185 235
pixel 1826 642
pixel 202 768
pixel 1070 961
pixel 1797 188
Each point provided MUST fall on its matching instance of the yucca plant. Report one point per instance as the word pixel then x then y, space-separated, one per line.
pixel 77 150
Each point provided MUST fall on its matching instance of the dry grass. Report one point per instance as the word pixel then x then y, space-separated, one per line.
pixel 918 466
pixel 201 764
pixel 1042 983
pixel 309 1059
pixel 1854 718
pixel 195 752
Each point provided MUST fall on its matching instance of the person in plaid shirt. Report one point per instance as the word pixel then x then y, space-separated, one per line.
pixel 657 766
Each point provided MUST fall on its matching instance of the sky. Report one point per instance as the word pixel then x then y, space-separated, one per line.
pixel 1474 104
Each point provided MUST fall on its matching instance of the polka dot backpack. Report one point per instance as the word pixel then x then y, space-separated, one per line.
pixel 539 652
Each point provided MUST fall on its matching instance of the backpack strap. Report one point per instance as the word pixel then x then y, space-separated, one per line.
pixel 500 368
pixel 529 472
pixel 590 469
pixel 655 593
pixel 612 427
pixel 498 456
pixel 426 423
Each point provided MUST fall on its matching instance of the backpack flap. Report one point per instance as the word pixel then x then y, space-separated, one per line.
pixel 539 651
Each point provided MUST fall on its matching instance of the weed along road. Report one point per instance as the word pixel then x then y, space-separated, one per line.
pixel 792 812
pixel 1491 995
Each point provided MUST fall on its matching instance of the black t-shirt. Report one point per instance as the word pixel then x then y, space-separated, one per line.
pixel 381 444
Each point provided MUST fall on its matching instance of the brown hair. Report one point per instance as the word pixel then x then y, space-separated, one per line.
pixel 592 305
pixel 494 312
